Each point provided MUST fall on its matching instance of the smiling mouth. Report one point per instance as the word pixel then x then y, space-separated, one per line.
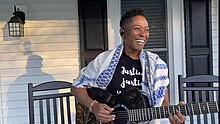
pixel 140 41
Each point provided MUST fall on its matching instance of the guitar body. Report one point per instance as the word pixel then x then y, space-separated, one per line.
pixel 129 99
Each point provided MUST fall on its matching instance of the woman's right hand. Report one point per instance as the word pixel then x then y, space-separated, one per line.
pixel 102 112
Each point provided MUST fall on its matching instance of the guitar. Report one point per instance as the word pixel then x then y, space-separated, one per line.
pixel 133 106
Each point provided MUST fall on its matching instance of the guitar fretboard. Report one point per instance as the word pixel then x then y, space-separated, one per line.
pixel 165 111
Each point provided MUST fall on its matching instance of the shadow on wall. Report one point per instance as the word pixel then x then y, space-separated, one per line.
pixel 17 95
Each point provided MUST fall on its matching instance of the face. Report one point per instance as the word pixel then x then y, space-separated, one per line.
pixel 135 34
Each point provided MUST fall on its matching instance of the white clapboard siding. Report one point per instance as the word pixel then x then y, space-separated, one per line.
pixel 35 24
pixel 39 39
pixel 13 112
pixel 10 104
pixel 36 71
pixel 48 31
pixel 41 47
pixel 37 79
pixel 215 36
pixel 51 7
pixel 36 63
pixel 51 31
pixel 52 23
pixel 48 51
pixel 46 54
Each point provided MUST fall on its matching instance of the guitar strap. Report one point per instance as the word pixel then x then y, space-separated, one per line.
pixel 148 79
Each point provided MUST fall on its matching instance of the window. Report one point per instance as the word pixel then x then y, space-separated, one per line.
pixel 155 11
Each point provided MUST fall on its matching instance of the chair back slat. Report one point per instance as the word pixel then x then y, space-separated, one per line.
pixel 48 111
pixel 55 95
pixel 55 103
pixel 201 79
pixel 197 89
pixel 41 111
pixel 55 110
pixel 68 109
pixel 52 85
pixel 62 110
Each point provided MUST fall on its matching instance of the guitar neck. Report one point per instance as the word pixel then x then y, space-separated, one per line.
pixel 164 111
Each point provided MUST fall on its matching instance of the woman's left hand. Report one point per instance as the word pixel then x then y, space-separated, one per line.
pixel 177 118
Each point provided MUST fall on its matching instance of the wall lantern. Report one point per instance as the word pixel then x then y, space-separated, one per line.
pixel 16 23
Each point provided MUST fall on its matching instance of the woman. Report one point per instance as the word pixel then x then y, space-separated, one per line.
pixel 126 67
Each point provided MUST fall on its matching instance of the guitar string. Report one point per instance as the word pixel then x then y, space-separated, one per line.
pixel 123 114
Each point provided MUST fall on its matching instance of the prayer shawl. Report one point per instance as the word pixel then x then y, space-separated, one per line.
pixel 99 73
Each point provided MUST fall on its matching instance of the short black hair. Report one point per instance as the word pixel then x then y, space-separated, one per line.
pixel 126 18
